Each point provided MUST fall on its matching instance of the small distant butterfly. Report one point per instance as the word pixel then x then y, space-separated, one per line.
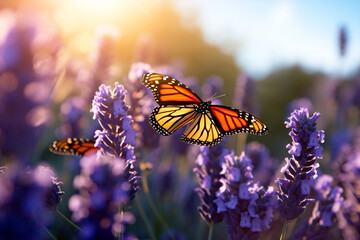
pixel 179 105
pixel 74 146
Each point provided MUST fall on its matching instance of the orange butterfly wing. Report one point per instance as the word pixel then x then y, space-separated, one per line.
pixel 202 131
pixel 169 91
pixel 167 119
pixel 231 121
pixel 73 146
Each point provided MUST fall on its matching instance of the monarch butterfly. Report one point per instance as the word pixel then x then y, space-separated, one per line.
pixel 179 105
pixel 73 146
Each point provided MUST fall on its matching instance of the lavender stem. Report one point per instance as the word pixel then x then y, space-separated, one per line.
pixel 153 207
pixel 210 231
pixel 67 220
pixel 284 230
pixel 52 237
pixel 143 215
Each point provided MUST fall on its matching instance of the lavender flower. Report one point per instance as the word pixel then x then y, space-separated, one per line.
pixel 103 186
pixel 246 205
pixel 25 79
pixel 142 103
pixel 244 95
pixel 53 193
pixel 342 40
pixel 25 197
pixel 102 56
pixel 117 138
pixel 208 171
pixel 300 169
pixel 264 165
pixel 170 70
pixel 328 204
pixel 212 85
pixel 71 116
pixel 355 96
pixel 107 181
pixel 347 169
pixel 298 103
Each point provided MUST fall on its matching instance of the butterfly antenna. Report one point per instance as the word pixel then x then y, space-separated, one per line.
pixel 213 96
pixel 220 96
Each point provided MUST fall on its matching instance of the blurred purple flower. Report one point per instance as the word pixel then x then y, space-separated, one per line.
pixel 264 165
pixel 208 168
pixel 328 203
pixel 104 188
pixel 3 169
pixel 53 193
pixel 105 39
pixel 355 98
pixel 244 94
pixel 347 172
pixel 72 111
pixel 247 207
pixel 101 59
pixel 300 169
pixel 342 40
pixel 142 103
pixel 172 71
pixel 212 85
pixel 28 48
pixel 25 198
pixel 297 104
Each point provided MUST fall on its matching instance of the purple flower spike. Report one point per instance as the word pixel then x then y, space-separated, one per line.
pixel 28 55
pixel 244 93
pixel 142 103
pixel 117 138
pixel 53 194
pixel 25 198
pixel 247 207
pixel 264 165
pixel 300 169
pixel 208 171
pixel 103 186
pixel 107 181
pixel 110 109
pixel 347 169
pixel 327 206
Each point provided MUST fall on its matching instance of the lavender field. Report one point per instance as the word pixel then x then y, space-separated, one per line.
pixel 73 70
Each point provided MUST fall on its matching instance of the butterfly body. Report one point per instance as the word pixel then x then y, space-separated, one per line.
pixel 208 124
pixel 203 107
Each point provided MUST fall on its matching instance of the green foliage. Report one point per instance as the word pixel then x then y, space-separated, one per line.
pixel 274 93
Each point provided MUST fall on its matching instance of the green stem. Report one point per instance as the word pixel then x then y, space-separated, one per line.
pixel 121 212
pixel 49 233
pixel 143 215
pixel 210 231
pixel 67 220
pixel 153 207
pixel 284 230
pixel 200 229
pixel 240 143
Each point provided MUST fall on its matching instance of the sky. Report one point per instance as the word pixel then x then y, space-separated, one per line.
pixel 267 35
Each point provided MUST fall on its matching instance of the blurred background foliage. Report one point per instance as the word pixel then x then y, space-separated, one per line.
pixel 154 32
